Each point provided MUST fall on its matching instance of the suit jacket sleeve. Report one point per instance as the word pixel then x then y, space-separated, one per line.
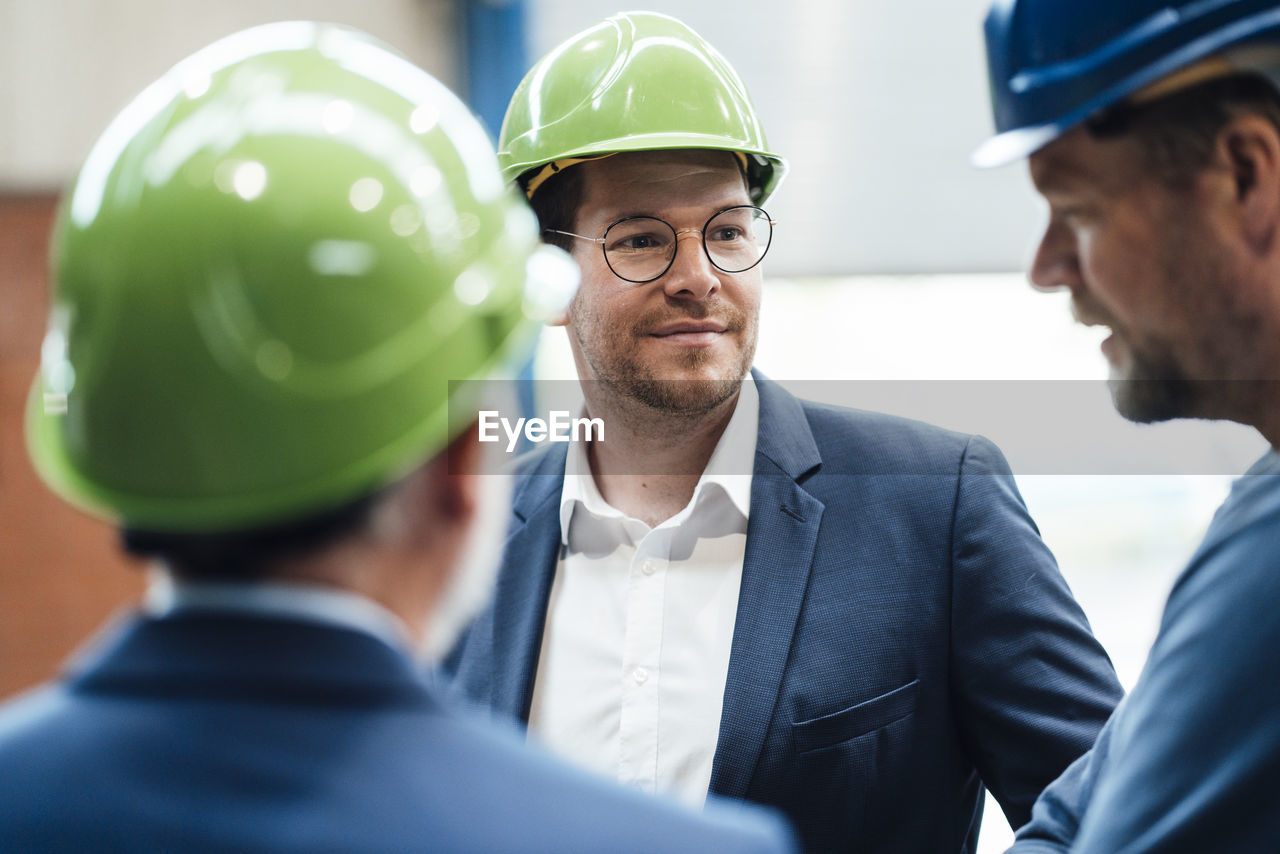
pixel 1055 819
pixel 1031 686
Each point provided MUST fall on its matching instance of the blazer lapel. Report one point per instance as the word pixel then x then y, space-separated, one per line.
pixel 781 536
pixel 524 583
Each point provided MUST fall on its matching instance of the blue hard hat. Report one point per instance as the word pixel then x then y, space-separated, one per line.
pixel 1054 63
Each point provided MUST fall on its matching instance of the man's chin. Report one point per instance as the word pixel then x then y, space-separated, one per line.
pixel 691 395
pixel 1148 397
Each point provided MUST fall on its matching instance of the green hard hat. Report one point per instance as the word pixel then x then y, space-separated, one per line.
pixel 636 81
pixel 273 271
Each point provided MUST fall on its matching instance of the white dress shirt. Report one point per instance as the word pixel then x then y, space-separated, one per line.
pixel 631 677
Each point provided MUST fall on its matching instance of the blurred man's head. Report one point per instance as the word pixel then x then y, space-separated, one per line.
pixel 273 281
pixel 1160 160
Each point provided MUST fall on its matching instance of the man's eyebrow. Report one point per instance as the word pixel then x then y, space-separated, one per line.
pixel 614 216
pixel 1061 175
pixel 626 213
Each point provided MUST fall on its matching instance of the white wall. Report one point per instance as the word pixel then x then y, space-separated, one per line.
pixel 67 66
pixel 877 104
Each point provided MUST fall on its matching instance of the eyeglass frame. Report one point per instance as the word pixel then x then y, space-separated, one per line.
pixel 702 238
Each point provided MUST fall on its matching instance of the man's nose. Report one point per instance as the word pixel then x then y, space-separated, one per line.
pixel 1057 261
pixel 691 275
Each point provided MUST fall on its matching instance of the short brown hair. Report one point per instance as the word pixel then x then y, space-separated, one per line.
pixel 1177 132
pixel 556 204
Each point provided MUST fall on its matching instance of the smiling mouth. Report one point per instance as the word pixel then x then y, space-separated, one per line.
pixel 694 333
pixel 692 338
pixel 694 328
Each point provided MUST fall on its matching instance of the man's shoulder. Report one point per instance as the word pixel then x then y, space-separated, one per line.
pixel 1198 738
pixel 545 459
pixel 1218 629
pixel 27 719
pixel 865 421
pixel 869 442
pixel 526 790
pixel 46 733
pixel 457 784
pixel 1233 571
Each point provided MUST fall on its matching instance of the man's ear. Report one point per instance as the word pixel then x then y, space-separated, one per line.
pixel 453 488
pixel 436 500
pixel 1250 147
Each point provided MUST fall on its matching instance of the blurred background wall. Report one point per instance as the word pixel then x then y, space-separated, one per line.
pixel 68 66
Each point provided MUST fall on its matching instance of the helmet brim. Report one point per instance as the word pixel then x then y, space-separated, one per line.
pixel 1234 43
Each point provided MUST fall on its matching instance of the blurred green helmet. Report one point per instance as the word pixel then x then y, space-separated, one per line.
pixel 637 81
pixel 275 267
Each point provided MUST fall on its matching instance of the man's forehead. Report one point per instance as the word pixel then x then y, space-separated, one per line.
pixel 619 182
pixel 1077 161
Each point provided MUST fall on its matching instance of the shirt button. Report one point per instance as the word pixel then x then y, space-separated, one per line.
pixel 648 567
pixel 640 675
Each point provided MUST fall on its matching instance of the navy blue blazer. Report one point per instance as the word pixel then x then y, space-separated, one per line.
pixel 244 734
pixel 903 635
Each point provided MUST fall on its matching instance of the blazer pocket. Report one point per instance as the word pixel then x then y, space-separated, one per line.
pixel 856 720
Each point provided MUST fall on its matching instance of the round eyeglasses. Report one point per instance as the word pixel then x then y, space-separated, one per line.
pixel 640 249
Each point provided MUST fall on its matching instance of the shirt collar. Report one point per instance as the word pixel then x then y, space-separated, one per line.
pixel 166 596
pixel 729 468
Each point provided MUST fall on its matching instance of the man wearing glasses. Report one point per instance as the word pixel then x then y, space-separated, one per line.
pixel 739 593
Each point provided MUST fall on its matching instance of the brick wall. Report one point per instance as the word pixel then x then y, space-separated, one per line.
pixel 61 574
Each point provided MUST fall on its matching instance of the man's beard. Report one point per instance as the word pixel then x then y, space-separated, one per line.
pixel 677 397
pixel 1217 373
pixel 1156 389
pixel 625 377
pixel 469 589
